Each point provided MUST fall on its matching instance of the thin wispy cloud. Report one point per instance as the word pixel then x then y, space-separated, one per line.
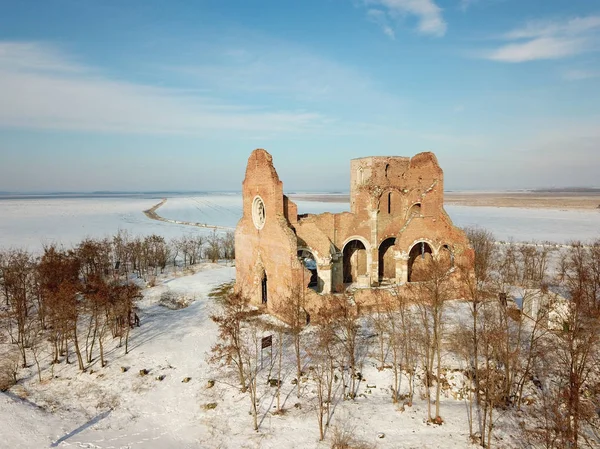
pixel 379 17
pixel 544 28
pixel 540 48
pixel 41 88
pixel 538 40
pixel 579 74
pixel 36 56
pixel 283 73
pixel 427 13
pixel 464 5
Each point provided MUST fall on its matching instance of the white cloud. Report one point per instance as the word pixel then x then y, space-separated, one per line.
pixel 549 40
pixel 541 48
pixel 41 88
pixel 427 13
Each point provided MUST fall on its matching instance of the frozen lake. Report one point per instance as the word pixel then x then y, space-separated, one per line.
pixel 31 222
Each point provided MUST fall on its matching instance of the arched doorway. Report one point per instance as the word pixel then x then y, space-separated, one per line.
pixel 308 260
pixel 418 259
pixel 355 261
pixel 387 263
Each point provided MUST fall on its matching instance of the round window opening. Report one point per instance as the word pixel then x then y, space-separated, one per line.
pixel 258 212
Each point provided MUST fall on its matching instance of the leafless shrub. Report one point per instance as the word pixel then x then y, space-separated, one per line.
pixel 9 367
pixel 344 438
pixel 174 301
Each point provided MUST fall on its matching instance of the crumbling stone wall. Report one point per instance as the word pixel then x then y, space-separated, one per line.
pixel 396 206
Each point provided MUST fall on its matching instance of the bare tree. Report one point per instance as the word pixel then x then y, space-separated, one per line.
pixel 291 311
pixel 229 319
pixel 228 246
pixel 322 352
pixel 380 322
pixel 19 287
pixel 250 350
pixel 431 296
pixel 341 314
pixel 578 345
pixel 213 248
pixel 402 334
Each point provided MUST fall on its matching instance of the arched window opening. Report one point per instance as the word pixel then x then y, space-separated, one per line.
pixel 389 202
pixel 387 263
pixel 419 259
pixel 264 290
pixel 446 257
pixel 355 261
pixel 309 262
pixel 387 167
pixel 415 210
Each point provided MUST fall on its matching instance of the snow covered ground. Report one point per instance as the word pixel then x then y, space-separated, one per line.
pixel 30 223
pixel 525 225
pixel 106 408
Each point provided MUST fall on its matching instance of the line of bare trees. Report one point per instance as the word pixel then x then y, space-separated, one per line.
pixel 65 303
pixel 527 333
pixel 542 358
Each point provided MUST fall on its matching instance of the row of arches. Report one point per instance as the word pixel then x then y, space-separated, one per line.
pixel 355 259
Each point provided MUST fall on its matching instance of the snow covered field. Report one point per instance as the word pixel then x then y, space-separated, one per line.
pixel 32 222
pixel 525 225
pixel 108 409
pixel 111 409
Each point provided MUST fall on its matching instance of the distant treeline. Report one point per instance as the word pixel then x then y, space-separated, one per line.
pixel 567 190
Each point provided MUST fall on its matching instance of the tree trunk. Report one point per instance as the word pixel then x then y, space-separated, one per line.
pixel 77 350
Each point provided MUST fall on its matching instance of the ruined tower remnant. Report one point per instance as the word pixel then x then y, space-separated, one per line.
pixel 396 222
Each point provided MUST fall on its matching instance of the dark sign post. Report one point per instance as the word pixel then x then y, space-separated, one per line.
pixel 266 342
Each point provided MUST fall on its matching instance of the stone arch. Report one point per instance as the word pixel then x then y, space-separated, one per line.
pixel 418 258
pixel 414 210
pixel 355 259
pixel 360 238
pixel 387 262
pixel 446 256
pixel 309 261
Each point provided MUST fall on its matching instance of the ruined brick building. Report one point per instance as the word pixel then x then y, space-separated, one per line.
pixel 396 222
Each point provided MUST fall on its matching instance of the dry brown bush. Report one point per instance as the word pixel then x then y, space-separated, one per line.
pixel 9 365
pixel 344 438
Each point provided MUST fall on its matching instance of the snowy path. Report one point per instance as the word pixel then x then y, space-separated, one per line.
pixel 151 213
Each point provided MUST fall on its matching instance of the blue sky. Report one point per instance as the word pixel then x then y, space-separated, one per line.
pixel 167 95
